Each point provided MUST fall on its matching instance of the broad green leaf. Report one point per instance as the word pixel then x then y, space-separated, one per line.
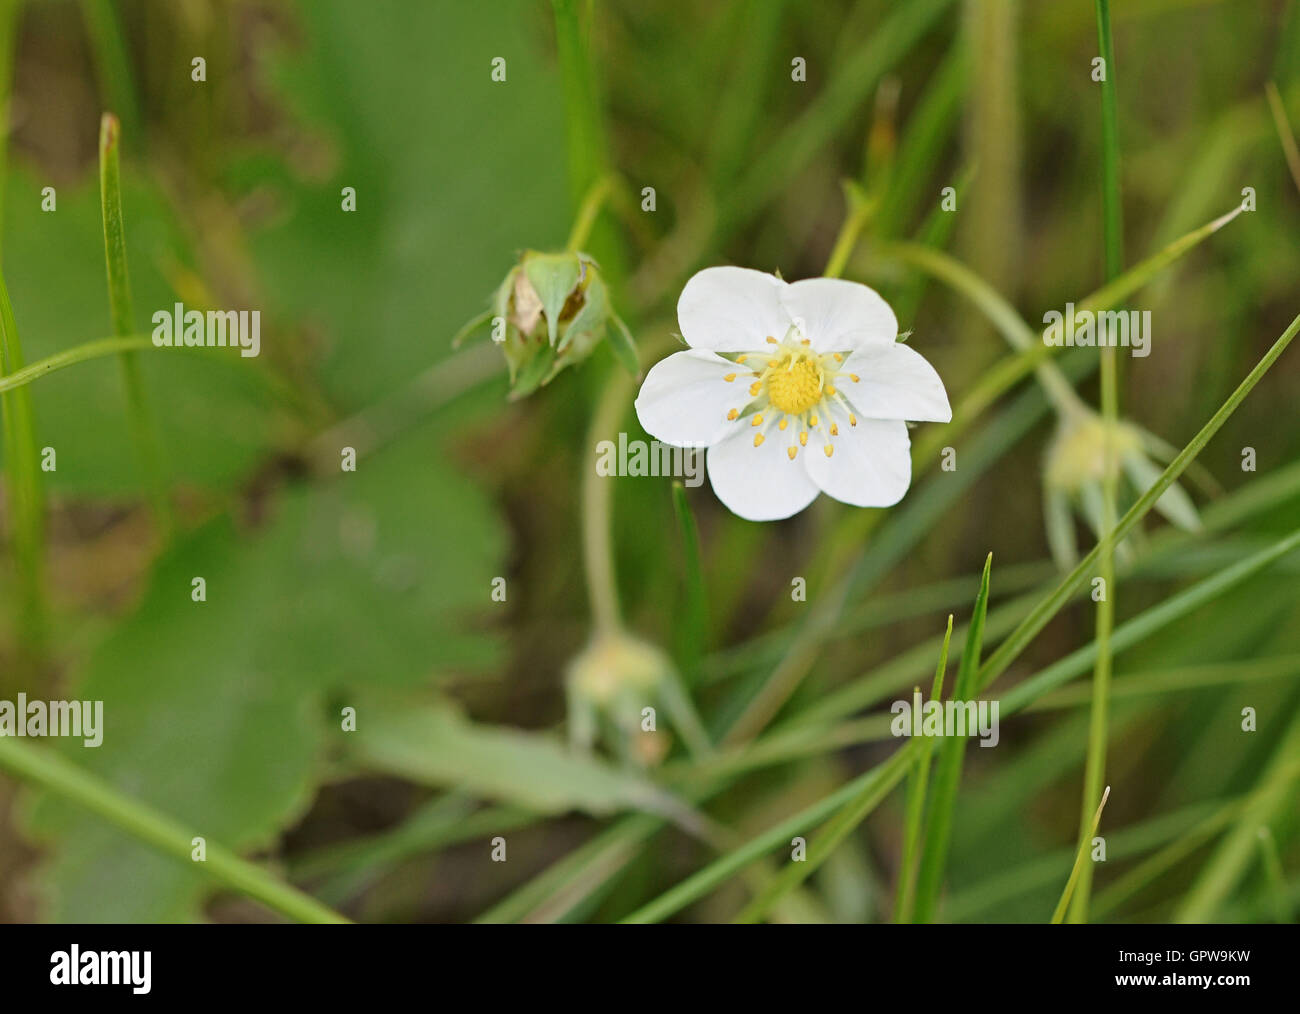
pixel 214 711
pixel 454 174
pixel 436 745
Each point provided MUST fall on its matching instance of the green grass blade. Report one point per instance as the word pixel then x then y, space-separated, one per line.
pixel 1079 859
pixel 928 134
pixel 800 143
pixel 97 349
pixel 1284 132
pixel 143 429
pixel 1232 858
pixel 113 62
pixel 720 870
pixel 23 487
pixel 1142 626
pixel 565 884
pixel 1112 209
pixel 23 477
pixel 1094 770
pixel 51 771
pixel 1272 864
pixel 1143 273
pixel 934 854
pixel 1019 698
pixel 855 810
pixel 915 804
pixel 1010 649
pixel 1155 866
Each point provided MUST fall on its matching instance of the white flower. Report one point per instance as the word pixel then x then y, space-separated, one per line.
pixel 794 389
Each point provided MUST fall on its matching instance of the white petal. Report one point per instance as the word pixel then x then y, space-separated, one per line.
pixel 894 382
pixel 732 310
pixel 838 316
pixel 684 400
pixel 759 483
pixel 872 463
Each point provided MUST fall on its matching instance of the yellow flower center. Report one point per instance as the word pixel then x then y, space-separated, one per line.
pixel 794 384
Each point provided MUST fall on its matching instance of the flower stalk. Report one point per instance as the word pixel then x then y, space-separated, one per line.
pixel 588 211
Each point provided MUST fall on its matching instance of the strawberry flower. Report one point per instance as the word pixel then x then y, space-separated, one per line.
pixel 795 389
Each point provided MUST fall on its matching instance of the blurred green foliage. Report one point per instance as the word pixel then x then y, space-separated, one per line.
pixel 328 589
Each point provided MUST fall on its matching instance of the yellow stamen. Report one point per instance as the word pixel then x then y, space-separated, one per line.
pixel 729 377
pixel 838 358
pixel 853 420
pixel 830 391
pixel 732 414
pixel 794 384
pixel 829 450
pixel 758 439
pixel 835 430
pixel 782 424
pixel 771 340
pixel 757 420
pixel 813 421
pixel 755 387
pixel 792 452
pixel 854 377
pixel 803 439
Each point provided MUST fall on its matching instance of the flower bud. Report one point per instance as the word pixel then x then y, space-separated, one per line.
pixel 609 682
pixel 1075 474
pixel 555 309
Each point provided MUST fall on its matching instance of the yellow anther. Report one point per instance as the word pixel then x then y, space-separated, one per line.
pixel 813 421
pixel 732 414
pixel 729 377
pixel 771 340
pixel 803 439
pixel 757 420
pixel 830 390
pixel 792 452
pixel 853 420
pixel 794 385
pixel 829 450
pixel 755 387
pixel 835 430
pixel 741 359
pixel 854 377
pixel 782 424
pixel 758 439
pixel 838 358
